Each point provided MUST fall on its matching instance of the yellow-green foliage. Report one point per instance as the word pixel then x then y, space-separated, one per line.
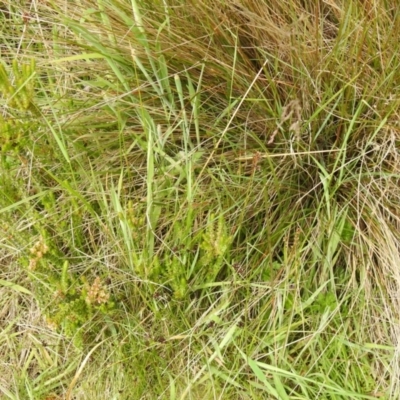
pixel 215 245
pixel 19 89
pixel 186 267
pixel 69 299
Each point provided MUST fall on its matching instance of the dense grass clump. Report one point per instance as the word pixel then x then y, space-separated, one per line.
pixel 199 199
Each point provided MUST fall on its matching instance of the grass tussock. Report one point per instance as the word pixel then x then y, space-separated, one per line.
pixel 199 199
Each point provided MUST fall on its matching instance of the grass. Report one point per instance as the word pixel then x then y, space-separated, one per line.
pixel 199 200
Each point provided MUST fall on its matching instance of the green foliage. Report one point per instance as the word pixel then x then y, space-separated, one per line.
pixel 196 258
pixel 19 90
pixel 69 299
pixel 242 156
pixel 13 134
pixel 215 246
